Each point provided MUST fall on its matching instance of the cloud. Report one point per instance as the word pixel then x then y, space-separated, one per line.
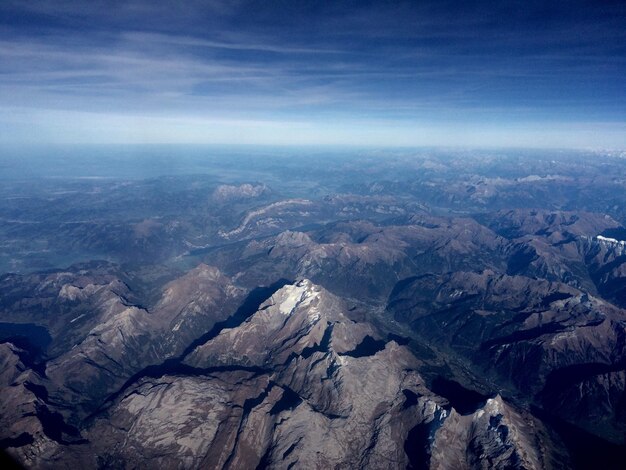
pixel 401 63
pixel 237 44
pixel 33 127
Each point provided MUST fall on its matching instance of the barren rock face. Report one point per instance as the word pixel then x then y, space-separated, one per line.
pixel 299 384
pixel 366 260
pixel 129 338
pixel 542 338
pixel 494 436
pixel 493 340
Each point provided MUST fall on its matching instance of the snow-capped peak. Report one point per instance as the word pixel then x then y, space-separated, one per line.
pixel 296 295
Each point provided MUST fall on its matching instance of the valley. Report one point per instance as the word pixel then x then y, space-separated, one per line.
pixel 413 309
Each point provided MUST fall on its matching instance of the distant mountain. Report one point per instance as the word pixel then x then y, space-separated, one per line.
pixel 467 312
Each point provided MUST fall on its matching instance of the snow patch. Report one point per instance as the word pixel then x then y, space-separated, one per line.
pixel 299 295
pixel 77 318
pixel 613 241
pixel 457 293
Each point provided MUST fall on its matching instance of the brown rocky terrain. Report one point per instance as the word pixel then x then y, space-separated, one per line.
pixel 416 311
pixel 296 377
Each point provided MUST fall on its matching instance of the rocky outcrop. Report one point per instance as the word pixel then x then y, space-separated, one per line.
pixel 129 338
pixel 494 436
pixel 365 260
pixel 205 374
pixel 301 384
pixel 538 338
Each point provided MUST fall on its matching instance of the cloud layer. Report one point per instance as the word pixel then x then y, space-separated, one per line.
pixel 380 73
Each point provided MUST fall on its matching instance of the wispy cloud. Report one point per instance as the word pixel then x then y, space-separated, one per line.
pixel 244 44
pixel 399 63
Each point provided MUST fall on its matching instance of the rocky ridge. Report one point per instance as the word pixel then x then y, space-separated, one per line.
pixel 299 383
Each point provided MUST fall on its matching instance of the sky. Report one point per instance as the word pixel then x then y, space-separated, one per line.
pixel 293 72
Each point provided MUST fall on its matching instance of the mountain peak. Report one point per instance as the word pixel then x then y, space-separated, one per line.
pixel 295 296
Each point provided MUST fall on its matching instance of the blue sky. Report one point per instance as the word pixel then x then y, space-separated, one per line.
pixel 381 73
